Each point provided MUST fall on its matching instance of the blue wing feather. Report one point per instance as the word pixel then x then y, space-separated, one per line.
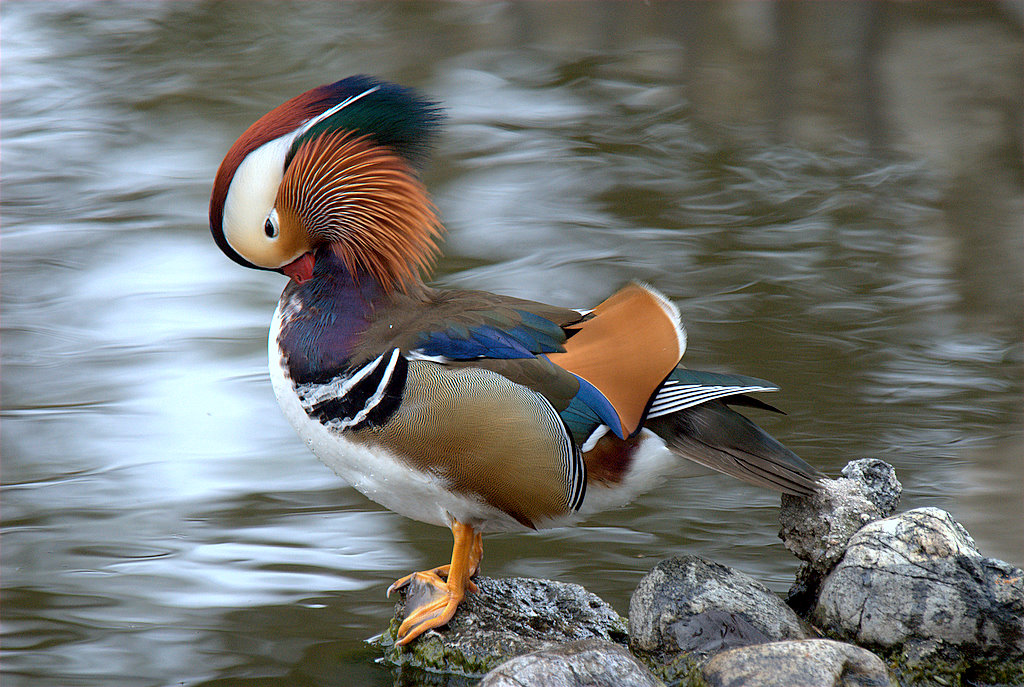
pixel 547 336
pixel 527 335
pixel 527 338
pixel 588 409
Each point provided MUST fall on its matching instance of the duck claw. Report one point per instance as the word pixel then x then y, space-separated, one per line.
pixel 430 600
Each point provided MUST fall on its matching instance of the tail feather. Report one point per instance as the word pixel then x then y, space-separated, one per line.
pixel 714 435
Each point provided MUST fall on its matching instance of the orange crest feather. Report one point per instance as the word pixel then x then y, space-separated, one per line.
pixel 367 202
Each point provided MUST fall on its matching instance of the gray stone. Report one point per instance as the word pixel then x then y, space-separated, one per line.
pixel 817 529
pixel 930 662
pixel 507 618
pixel 918 577
pixel 587 663
pixel 879 480
pixel 687 604
pixel 806 663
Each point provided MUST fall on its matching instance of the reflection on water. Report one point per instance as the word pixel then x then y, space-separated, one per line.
pixel 832 193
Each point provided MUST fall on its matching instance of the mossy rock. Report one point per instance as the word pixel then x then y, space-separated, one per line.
pixel 506 618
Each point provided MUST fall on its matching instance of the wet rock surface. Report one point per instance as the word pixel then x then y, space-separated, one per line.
pixel 687 604
pixel 507 618
pixel 587 663
pixel 917 602
pixel 918 578
pixel 817 529
pixel 804 663
pixel 878 479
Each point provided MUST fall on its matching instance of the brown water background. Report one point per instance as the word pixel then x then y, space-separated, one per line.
pixel 832 193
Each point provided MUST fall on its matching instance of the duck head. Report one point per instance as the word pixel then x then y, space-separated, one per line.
pixel 332 169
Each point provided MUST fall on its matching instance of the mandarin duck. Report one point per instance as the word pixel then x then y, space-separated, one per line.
pixel 464 409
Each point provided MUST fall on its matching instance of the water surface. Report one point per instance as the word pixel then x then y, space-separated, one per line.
pixel 831 193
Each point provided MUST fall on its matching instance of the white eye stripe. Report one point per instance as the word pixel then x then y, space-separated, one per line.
pixel 327 113
pixel 250 201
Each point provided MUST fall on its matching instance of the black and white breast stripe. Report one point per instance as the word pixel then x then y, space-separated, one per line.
pixel 674 396
pixel 576 475
pixel 362 397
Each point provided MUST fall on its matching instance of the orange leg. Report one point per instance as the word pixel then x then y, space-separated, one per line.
pixel 445 596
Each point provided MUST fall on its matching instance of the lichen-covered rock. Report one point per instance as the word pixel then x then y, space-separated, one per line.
pixel 879 481
pixel 587 663
pixel 918 578
pixel 805 663
pixel 687 604
pixel 817 529
pixel 507 618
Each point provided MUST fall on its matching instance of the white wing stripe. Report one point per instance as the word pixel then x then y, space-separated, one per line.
pixel 674 396
pixel 705 393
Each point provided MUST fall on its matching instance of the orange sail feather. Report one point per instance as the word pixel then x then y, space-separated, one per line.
pixel 626 349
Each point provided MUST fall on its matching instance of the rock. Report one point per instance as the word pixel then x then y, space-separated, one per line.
pixel 507 618
pixel 917 580
pixel 879 481
pixel 806 663
pixel 587 663
pixel 687 604
pixel 930 662
pixel 817 529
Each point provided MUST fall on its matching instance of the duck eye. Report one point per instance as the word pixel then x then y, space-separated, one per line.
pixel 270 226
